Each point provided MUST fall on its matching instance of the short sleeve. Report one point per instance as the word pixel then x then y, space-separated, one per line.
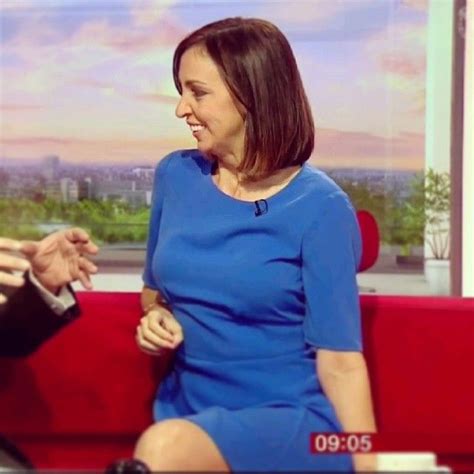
pixel 155 217
pixel 331 251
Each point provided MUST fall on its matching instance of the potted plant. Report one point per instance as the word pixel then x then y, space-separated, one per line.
pixel 424 219
pixel 437 192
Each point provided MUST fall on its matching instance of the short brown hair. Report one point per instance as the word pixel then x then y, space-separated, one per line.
pixel 256 62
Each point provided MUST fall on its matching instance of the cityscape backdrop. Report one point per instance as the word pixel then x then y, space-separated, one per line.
pixel 87 106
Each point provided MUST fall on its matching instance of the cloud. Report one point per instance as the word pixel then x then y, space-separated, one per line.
pixel 101 34
pixel 334 149
pixel 16 5
pixel 47 60
pixel 141 89
pixel 33 27
pixel 35 141
pixel 399 57
pixel 89 151
pixel 146 13
pixel 400 49
pixel 318 14
pixel 337 148
pixel 158 98
pixel 38 30
pixel 418 5
pixel 400 65
pixel 20 107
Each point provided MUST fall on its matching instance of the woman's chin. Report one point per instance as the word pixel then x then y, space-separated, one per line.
pixel 207 150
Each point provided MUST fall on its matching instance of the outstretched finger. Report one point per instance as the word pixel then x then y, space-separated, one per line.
pixel 9 244
pixel 11 263
pixel 8 279
pixel 3 298
pixel 85 280
pixel 87 265
pixel 90 248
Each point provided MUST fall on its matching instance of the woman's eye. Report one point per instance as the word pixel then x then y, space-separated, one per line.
pixel 198 93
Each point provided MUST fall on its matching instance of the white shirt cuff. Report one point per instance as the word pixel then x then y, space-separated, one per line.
pixel 60 303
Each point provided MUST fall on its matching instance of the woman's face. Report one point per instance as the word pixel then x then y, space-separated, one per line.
pixel 208 107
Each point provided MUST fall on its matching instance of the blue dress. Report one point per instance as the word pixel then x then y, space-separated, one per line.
pixel 255 296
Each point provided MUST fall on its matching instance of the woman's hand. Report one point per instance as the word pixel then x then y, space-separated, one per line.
pixel 158 331
pixel 365 462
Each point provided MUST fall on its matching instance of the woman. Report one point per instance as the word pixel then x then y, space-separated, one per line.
pixel 250 273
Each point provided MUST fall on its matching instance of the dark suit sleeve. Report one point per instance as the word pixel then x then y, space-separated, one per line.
pixel 26 321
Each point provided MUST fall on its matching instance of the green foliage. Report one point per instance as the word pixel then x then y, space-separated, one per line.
pixel 107 221
pixel 382 204
pixel 410 216
pixel 437 207
pixel 425 214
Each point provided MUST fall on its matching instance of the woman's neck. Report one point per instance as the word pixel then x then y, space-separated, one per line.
pixel 231 182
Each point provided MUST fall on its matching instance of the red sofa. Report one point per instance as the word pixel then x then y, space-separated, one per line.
pixel 84 397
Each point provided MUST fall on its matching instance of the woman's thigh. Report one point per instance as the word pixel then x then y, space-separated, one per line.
pixel 180 445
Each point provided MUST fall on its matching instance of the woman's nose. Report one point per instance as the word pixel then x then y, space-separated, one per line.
pixel 183 108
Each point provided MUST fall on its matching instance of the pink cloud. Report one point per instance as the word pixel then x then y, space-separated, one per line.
pixel 402 65
pixel 99 33
pixel 334 149
pixel 337 148
pixel 153 97
pixel 164 33
pixel 72 149
pixel 35 141
pixel 419 5
pixel 400 49
pixel 399 58
pixel 358 144
pixel 90 40
pixel 20 107
pixel 94 83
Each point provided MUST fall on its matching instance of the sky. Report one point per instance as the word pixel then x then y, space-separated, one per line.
pixel 90 80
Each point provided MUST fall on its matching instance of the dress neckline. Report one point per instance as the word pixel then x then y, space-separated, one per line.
pixel 277 195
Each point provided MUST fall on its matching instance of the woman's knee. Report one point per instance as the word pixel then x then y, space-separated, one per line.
pixel 178 444
pixel 159 441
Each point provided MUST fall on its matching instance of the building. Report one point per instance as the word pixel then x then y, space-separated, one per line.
pixel 86 189
pixel 69 190
pixel 144 173
pixel 50 167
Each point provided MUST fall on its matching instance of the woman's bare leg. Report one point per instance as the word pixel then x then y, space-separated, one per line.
pixel 179 445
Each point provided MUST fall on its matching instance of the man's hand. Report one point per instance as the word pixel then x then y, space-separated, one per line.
pixel 60 259
pixel 9 263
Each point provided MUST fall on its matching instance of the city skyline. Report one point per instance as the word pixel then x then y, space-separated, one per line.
pixel 90 81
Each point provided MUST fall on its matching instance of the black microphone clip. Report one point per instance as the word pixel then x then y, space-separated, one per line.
pixel 261 207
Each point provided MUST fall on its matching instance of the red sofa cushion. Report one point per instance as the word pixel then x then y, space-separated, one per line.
pixel 420 353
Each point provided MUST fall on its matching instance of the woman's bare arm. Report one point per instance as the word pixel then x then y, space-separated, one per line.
pixel 345 381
